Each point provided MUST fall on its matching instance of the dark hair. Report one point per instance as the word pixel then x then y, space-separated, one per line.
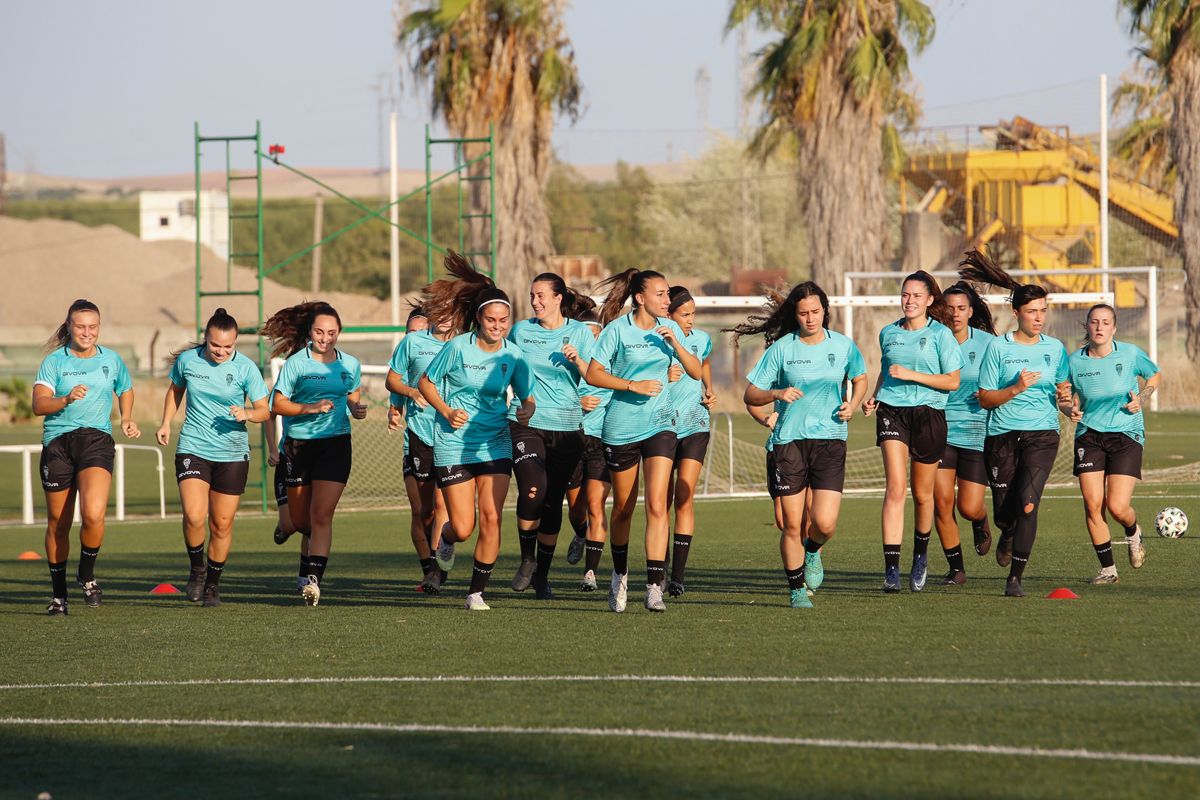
pixel 219 321
pixel 1086 338
pixel 571 299
pixel 623 286
pixel 981 315
pixel 62 336
pixel 415 311
pixel 978 266
pixel 780 319
pixel 585 308
pixel 459 298
pixel 937 309
pixel 288 328
pixel 679 296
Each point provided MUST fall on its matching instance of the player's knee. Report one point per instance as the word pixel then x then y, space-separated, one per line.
pixel 489 519
pixel 1029 508
pixel 894 493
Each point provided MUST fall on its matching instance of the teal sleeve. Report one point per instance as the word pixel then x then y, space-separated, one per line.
pixel 606 347
pixel 766 371
pixel 46 372
pixel 855 365
pixel 443 362
pixel 255 387
pixel 1064 367
pixel 585 343
pixel 949 353
pixel 708 346
pixel 356 383
pixel 399 362
pixel 989 370
pixel 123 383
pixel 522 379
pixel 1143 366
pixel 176 375
pixel 286 383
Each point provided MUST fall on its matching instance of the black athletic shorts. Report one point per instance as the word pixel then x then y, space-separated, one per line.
pixel 593 465
pixel 223 477
pixel 693 446
pixel 73 451
pixel 922 428
pixel 809 464
pixel 1110 453
pixel 460 473
pixel 967 464
pixel 1004 452
pixel 280 481
pixel 418 462
pixel 620 457
pixel 326 459
pixel 771 474
pixel 552 448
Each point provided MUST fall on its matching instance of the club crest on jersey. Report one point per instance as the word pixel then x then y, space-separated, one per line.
pixel 346 378
pixel 1046 358
pixel 187 463
pixel 696 349
pixel 520 447
pixel 504 369
pixel 831 358
pixel 971 356
pixel 104 369
pixel 924 341
pixel 1120 369
pixel 229 379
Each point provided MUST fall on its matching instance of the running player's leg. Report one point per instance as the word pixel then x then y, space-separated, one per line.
pixel 922 479
pixel 595 492
pixel 321 507
pixel 947 523
pixel 791 545
pixel 657 475
pixel 529 466
pixel 93 484
pixel 491 491
pixel 971 507
pixel 1118 495
pixel 624 494
pixel 562 457
pixel 193 497
pixel 1033 470
pixel 60 510
pixel 686 476
pixel 1091 487
pixel 418 531
pixel 1000 459
pixel 221 510
pixel 895 470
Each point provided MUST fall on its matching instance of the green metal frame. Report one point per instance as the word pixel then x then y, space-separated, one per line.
pixel 461 168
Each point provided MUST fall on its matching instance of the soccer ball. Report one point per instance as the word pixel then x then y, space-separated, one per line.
pixel 1171 523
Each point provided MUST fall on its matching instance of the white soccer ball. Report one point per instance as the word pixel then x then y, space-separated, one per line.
pixel 1171 523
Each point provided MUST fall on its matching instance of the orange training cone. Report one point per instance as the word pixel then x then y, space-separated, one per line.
pixel 1062 593
pixel 29 555
pixel 164 588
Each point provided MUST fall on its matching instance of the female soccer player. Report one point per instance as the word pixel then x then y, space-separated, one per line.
pixel 594 478
pixel 319 389
pixel 919 367
pixel 812 364
pixel 693 401
pixel 212 458
pixel 1024 372
pixel 962 466
pixel 284 527
pixel 632 357
pixel 467 384
pixel 74 391
pixel 409 360
pixel 547 449
pixel 1109 432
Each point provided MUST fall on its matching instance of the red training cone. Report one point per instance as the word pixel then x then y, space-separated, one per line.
pixel 164 588
pixel 1062 593
pixel 29 555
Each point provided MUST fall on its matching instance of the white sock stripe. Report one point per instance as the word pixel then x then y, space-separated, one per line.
pixel 640 733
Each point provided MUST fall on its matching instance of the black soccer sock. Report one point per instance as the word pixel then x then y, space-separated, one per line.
pixel 213 576
pixel 954 558
pixel 316 566
pixel 87 563
pixel 591 555
pixel 620 557
pixel 580 528
pixel 426 565
pixel 920 543
pixel 196 557
pixel 1131 530
pixel 811 546
pixel 303 571
pixel 795 577
pixel 891 555
pixel 58 580
pixel 1017 568
pixel 681 545
pixel 528 540
pixel 545 556
pixel 978 526
pixel 655 571
pixel 1104 553
pixel 480 574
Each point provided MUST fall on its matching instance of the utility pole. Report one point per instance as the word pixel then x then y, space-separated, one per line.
pixel 318 228
pixel 703 83
pixel 3 174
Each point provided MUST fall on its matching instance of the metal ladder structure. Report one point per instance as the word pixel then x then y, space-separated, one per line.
pixel 466 177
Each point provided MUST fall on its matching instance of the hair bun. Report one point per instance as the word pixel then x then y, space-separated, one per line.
pixel 221 311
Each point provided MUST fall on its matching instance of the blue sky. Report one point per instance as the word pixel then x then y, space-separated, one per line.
pixel 111 89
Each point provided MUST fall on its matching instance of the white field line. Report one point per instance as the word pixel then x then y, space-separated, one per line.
pixel 697 679
pixel 633 733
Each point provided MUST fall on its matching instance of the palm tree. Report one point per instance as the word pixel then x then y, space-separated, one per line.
pixel 1168 36
pixel 1143 144
pixel 833 83
pixel 508 63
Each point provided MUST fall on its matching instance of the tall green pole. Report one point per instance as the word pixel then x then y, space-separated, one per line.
pixel 196 211
pixel 262 345
pixel 492 191
pixel 428 211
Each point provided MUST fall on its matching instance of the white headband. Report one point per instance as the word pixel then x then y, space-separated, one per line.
pixel 495 300
pixel 594 322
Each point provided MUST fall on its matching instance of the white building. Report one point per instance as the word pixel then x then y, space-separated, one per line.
pixel 172 215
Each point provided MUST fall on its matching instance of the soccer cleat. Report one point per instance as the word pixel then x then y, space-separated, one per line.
pixel 919 573
pixel 1105 576
pixel 301 582
pixel 444 555
pixel 1004 549
pixel 541 588
pixel 588 584
pixel 675 588
pixel 475 602
pixel 618 592
pixel 57 607
pixel 983 538
pixel 891 580
pixel 1137 551
pixel 432 582
pixel 91 593
pixel 654 598
pixel 955 577
pixel 311 591
pixel 524 576
pixel 575 550
pixel 800 599
pixel 195 585
pixel 814 571
pixel 212 597
pixel 1012 587
pixel 281 536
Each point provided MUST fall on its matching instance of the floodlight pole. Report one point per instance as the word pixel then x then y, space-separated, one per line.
pixel 394 217
pixel 1104 180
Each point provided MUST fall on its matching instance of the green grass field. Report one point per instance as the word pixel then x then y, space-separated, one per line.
pixel 380 691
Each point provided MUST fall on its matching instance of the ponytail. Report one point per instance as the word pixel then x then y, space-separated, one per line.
pixel 622 287
pixel 978 266
pixel 981 315
pixel 62 336
pixel 460 298
pixel 780 317
pixel 572 301
pixel 288 328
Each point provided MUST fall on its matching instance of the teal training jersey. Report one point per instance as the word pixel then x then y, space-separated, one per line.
pixel 632 354
pixel 555 378
pixel 966 420
pixel 103 374
pixel 931 349
pixel 1034 409
pixel 304 379
pixel 1103 386
pixel 476 382
pixel 819 371
pixel 209 429
pixel 593 421
pixel 687 392
pixel 412 355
